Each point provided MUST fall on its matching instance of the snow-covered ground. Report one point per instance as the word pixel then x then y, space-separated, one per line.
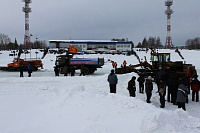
pixel 44 103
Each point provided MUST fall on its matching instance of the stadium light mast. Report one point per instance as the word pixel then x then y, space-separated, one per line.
pixel 27 10
pixel 168 12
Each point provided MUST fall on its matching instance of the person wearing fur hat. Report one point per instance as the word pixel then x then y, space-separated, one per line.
pixel 148 88
pixel 132 87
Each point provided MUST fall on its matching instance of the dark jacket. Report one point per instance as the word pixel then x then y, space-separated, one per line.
pixel 21 68
pixel 175 83
pixel 112 78
pixel 131 85
pixel 148 86
pixel 182 93
pixel 162 89
pixel 141 80
pixel 29 68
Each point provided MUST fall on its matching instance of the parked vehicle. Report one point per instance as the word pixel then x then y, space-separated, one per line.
pixel 88 65
pixel 35 63
pixel 159 61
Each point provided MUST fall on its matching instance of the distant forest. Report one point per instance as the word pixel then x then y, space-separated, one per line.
pixel 151 42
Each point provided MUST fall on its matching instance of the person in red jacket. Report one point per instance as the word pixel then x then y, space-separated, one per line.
pixel 195 84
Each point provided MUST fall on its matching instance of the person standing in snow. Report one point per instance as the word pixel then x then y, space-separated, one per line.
pixel 162 92
pixel 182 96
pixel 72 70
pixel 29 70
pixel 113 80
pixel 65 71
pixel 56 70
pixel 82 70
pixel 183 80
pixel 195 88
pixel 21 69
pixel 115 65
pixel 148 88
pixel 141 83
pixel 169 87
pixel 124 64
pixel 175 85
pixel 132 87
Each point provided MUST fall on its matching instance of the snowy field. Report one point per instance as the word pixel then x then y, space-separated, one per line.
pixel 44 103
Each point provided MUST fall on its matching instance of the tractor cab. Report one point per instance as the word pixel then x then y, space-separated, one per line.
pixel 159 60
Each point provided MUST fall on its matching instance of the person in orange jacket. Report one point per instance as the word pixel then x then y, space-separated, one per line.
pixel 124 63
pixel 115 65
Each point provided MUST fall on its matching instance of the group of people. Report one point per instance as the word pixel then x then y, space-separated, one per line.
pixel 114 64
pixel 21 70
pixel 176 87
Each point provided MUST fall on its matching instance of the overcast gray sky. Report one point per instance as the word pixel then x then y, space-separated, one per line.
pixel 101 19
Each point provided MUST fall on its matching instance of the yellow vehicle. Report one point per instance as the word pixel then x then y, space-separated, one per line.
pixel 159 61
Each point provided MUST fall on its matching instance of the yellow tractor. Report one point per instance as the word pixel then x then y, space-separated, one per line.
pixel 159 61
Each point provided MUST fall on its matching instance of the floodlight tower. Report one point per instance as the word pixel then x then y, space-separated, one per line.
pixel 168 12
pixel 27 10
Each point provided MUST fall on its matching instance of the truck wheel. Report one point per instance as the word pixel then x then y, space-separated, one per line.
pixel 34 68
pixel 92 71
pixel 86 70
pixel 10 68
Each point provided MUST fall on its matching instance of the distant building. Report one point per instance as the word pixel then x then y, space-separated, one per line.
pixel 94 45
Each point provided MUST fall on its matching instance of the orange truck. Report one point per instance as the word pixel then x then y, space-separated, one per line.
pixel 35 63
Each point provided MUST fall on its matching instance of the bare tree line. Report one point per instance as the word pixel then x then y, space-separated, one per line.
pixel 7 44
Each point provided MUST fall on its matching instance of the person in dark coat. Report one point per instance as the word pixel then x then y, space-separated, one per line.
pixel 157 80
pixel 160 75
pixel 72 71
pixel 195 84
pixel 132 87
pixel 113 80
pixel 56 70
pixel 183 80
pixel 65 70
pixel 162 92
pixel 82 71
pixel 170 88
pixel 175 84
pixel 148 88
pixel 182 96
pixel 141 81
pixel 21 70
pixel 29 70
